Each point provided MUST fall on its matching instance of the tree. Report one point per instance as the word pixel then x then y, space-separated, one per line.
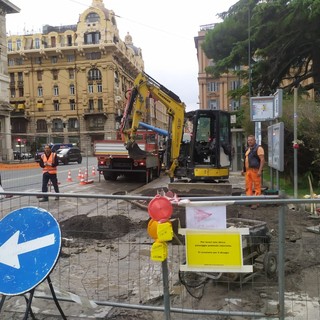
pixel 279 42
pixel 278 39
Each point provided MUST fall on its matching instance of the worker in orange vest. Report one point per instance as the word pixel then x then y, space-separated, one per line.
pixel 49 163
pixel 253 166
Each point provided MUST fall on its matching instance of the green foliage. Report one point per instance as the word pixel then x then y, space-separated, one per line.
pixel 283 38
pixel 279 40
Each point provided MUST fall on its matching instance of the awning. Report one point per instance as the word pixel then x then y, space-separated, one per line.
pixel 40 105
pixel 21 106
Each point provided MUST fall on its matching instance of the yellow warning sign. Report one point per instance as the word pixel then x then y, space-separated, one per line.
pixel 216 250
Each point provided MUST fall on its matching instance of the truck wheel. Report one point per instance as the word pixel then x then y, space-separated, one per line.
pixel 110 176
pixel 270 264
pixel 157 171
pixel 149 175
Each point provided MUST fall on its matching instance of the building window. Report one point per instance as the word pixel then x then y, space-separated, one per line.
pixel 56 105
pixel 55 90
pixel 21 92
pixel 94 74
pixel 69 40
pixel 37 43
pixel 12 92
pixel 234 105
pixel 91 104
pixel 53 42
pixel 234 85
pixel 57 125
pixel 40 91
pixel 11 62
pixel 92 38
pixel 54 59
pixel 99 87
pixel 10 46
pixel 72 105
pixel 72 89
pixel 93 55
pixel 71 73
pixel 19 61
pixel 70 58
pixel 39 75
pixel 41 125
pixel 92 17
pixel 90 88
pixel 18 44
pixel 73 123
pixel 20 76
pixel 96 122
pixel 100 105
pixel 213 105
pixel 54 74
pixel 38 60
pixel 213 86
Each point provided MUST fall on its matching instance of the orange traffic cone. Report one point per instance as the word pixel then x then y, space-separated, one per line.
pixel 93 171
pixel 69 179
pixel 82 180
pixel 79 174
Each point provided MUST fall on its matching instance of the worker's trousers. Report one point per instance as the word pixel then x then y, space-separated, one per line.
pixel 253 182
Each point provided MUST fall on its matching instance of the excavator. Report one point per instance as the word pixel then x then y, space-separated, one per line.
pixel 198 143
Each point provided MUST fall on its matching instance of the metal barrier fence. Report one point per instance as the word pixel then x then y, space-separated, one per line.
pixel 105 264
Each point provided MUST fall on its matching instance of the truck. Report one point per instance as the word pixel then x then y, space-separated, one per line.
pixel 198 142
pixel 114 160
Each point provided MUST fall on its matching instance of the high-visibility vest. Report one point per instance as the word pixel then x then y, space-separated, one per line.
pixel 50 160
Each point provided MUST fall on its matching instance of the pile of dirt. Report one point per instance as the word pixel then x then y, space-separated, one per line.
pixel 97 227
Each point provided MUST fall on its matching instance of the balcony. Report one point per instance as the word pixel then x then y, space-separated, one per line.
pixel 57 129
pixel 95 128
pixel 73 129
pixel 41 130
pixel 93 112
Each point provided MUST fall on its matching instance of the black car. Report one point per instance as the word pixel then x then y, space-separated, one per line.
pixel 17 155
pixel 69 155
pixel 54 148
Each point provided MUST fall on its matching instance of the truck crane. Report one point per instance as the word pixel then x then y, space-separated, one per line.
pixel 198 146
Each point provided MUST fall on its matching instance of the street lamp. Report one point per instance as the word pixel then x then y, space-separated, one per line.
pixel 19 144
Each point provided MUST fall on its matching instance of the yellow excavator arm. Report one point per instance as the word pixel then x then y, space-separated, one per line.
pixel 144 87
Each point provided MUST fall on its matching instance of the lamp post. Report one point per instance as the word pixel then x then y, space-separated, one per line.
pixel 19 144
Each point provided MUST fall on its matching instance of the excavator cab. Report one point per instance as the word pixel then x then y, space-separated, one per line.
pixel 205 153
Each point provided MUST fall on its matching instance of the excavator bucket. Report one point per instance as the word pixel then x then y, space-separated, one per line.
pixel 135 152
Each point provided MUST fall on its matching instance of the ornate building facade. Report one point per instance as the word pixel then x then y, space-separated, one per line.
pixel 68 83
pixel 6 7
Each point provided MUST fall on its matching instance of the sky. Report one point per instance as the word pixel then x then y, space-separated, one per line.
pixel 164 30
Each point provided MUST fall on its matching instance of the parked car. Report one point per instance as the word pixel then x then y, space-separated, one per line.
pixel 54 148
pixel 69 155
pixel 17 155
pixel 26 155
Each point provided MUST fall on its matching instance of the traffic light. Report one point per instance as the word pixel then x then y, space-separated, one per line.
pixel 19 141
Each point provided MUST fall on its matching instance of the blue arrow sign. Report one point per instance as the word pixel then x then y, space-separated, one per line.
pixel 30 243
